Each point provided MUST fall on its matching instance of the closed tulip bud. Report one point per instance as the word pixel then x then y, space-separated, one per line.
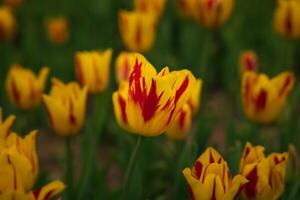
pixel 150 6
pixel 66 107
pixel 264 98
pixel 248 62
pixel 266 175
pixel 124 65
pixel 210 178
pixel 195 98
pixel 213 13
pixel 138 30
pixel 150 101
pixel 24 88
pixel 187 8
pixel 58 30
pixel 287 18
pixel 5 125
pixel 92 69
pixel 7 23
pixel 181 126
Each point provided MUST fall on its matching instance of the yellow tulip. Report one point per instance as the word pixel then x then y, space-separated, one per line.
pixel 150 6
pixel 24 88
pixel 150 101
pixel 195 98
pixel 213 13
pixel 287 18
pixel 66 107
pixel 181 126
pixel 92 69
pixel 187 8
pixel 58 30
pixel 248 62
pixel 264 98
pixel 7 23
pixel 210 178
pixel 266 175
pixel 138 30
pixel 5 125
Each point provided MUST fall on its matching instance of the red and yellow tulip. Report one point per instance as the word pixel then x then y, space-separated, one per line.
pixel 248 62
pixel 150 101
pixel 210 178
pixel 58 30
pixel 93 69
pixel 66 105
pixel 24 89
pixel 264 98
pixel 150 6
pixel 266 175
pixel 7 23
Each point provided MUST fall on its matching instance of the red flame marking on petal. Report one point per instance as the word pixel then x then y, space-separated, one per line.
pixel 250 187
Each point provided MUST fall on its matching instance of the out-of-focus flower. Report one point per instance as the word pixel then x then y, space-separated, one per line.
pixel 181 126
pixel 266 175
pixel 66 107
pixel 210 178
pixel 58 30
pixel 248 62
pixel 5 125
pixel 213 13
pixel 293 163
pixel 150 6
pixel 92 69
pixel 187 8
pixel 150 101
pixel 124 65
pixel 7 23
pixel 195 98
pixel 13 3
pixel 287 18
pixel 138 30
pixel 264 98
pixel 24 88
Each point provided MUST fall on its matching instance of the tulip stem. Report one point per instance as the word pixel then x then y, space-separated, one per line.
pixel 69 170
pixel 131 166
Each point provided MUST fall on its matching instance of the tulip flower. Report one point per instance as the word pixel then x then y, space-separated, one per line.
pixel 138 30
pixel 213 13
pixel 66 107
pixel 92 69
pixel 24 88
pixel 7 23
pixel 187 8
pixel 150 101
pixel 248 62
pixel 58 30
pixel 150 6
pixel 181 126
pixel 195 98
pixel 264 98
pixel 210 178
pixel 5 125
pixel 266 175
pixel 287 18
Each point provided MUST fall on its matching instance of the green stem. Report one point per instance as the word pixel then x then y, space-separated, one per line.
pixel 69 170
pixel 131 165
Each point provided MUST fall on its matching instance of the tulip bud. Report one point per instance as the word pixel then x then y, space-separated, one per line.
pixel 58 30
pixel 266 175
pixel 248 62
pixel 150 101
pixel 7 23
pixel 210 178
pixel 138 30
pixel 24 88
pixel 92 69
pixel 264 98
pixel 181 126
pixel 287 18
pixel 66 107
pixel 213 13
